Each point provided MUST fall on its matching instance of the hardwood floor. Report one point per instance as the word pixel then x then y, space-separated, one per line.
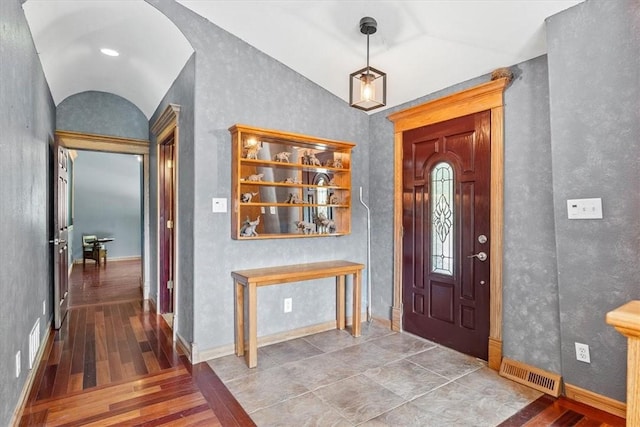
pixel 548 411
pixel 114 363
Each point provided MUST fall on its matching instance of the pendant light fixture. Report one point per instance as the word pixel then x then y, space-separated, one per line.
pixel 368 86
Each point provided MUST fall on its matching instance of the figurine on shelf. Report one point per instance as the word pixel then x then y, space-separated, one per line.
pixel 332 182
pixel 294 199
pixel 337 163
pixel 328 163
pixel 283 156
pixel 291 181
pixel 246 197
pixel 254 178
pixel 333 199
pixel 248 228
pixel 325 225
pixel 305 227
pixel 308 158
pixel 252 150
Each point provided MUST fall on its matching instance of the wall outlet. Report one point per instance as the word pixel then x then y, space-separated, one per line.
pixel 582 353
pixel 18 364
pixel 272 210
pixel 288 305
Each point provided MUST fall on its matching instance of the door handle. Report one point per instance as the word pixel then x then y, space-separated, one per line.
pixel 482 256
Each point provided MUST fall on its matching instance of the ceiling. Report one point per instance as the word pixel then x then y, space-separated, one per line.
pixel 423 46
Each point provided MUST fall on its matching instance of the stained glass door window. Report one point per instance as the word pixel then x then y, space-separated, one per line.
pixel 442 219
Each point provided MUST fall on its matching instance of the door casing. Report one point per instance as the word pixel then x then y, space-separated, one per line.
pixel 163 128
pixel 484 97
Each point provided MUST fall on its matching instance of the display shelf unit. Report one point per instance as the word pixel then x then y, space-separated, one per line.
pixel 288 185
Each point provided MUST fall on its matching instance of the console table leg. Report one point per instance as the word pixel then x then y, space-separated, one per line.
pixel 252 354
pixel 357 303
pixel 340 302
pixel 239 319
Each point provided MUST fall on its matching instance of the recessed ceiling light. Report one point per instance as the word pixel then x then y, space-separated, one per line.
pixel 109 52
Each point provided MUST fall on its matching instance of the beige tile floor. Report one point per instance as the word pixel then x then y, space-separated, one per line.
pixel 382 378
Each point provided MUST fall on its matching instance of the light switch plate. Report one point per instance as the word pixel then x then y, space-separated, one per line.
pixel 219 205
pixel 584 208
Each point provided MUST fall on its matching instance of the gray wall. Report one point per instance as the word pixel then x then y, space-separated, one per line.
pixel 101 113
pixel 107 202
pixel 27 118
pixel 594 80
pixel 235 83
pixel 182 93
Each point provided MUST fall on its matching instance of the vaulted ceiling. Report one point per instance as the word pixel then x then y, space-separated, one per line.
pixel 423 46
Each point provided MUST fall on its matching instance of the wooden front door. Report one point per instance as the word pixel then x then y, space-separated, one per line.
pixel 60 234
pixel 446 186
pixel 166 223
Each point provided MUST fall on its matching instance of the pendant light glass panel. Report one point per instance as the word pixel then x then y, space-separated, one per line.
pixel 368 89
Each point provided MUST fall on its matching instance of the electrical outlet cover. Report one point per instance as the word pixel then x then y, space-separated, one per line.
pixel 582 353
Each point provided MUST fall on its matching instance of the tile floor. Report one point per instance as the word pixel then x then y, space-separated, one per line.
pixel 382 378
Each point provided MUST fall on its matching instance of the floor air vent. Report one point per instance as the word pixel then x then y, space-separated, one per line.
pixel 538 379
pixel 34 343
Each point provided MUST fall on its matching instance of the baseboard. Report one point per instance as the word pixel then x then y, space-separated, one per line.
pixel 382 321
pixel 595 400
pixel 187 348
pixel 228 349
pixel 45 347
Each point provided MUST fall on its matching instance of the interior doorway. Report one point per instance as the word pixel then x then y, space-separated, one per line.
pixel 135 147
pixel 107 229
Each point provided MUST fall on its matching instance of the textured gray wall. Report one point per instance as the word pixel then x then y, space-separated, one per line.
pixel 27 118
pixel 101 113
pixel 531 331
pixel 182 92
pixel 594 80
pixel 235 83
pixel 107 202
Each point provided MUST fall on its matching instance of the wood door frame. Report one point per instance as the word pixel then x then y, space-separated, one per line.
pixel 483 97
pixel 114 144
pixel 165 126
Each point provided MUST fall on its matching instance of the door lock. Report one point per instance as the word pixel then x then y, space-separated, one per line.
pixel 482 238
pixel 482 256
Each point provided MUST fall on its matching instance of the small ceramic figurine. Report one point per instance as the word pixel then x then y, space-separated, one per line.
pixel 282 157
pixel 337 163
pixel 328 163
pixel 308 158
pixel 254 178
pixel 294 199
pixel 248 228
pixel 246 197
pixel 332 182
pixel 252 150
pixel 305 227
pixel 333 200
pixel 291 181
pixel 325 225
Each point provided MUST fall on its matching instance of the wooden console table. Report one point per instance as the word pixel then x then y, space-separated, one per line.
pixel 254 278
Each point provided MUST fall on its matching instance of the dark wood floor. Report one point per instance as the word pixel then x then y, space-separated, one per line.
pixel 113 362
pixel 561 412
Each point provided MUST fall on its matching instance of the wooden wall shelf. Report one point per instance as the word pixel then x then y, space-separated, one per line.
pixel 307 194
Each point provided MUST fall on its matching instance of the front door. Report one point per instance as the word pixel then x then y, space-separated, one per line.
pixel 60 234
pixel 446 185
pixel 166 222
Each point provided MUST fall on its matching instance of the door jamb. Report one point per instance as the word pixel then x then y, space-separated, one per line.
pixel 483 97
pixel 114 144
pixel 165 125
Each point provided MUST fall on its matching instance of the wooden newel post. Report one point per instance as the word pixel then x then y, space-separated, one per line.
pixel 626 320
